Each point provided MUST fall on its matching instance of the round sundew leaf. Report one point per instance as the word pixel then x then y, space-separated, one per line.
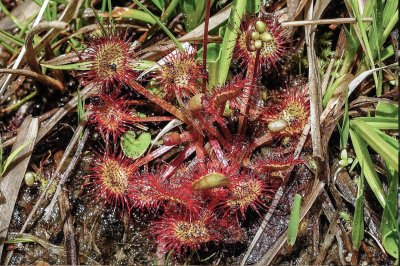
pixel 135 147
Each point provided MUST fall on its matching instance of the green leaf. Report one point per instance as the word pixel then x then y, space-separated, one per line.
pixel 344 133
pixel 159 3
pixel 381 122
pixel 138 15
pixel 193 12
pixel 12 156
pixel 80 107
pixel 135 147
pixel 294 220
pixel 162 26
pixel 387 110
pixel 367 166
pixel 389 225
pixel 377 143
pixel 231 33
pixel 357 233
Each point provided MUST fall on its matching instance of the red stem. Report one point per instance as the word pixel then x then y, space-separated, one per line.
pixel 182 156
pixel 205 41
pixel 151 156
pixel 152 119
pixel 153 98
pixel 245 107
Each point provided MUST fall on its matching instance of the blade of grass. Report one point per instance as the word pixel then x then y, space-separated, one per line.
pixel 294 220
pixel 368 168
pixel 389 226
pixel 162 26
pixel 11 38
pixel 10 16
pixel 364 39
pixel 231 33
pixel 377 143
pixel 357 233
pixel 381 122
pixel 344 132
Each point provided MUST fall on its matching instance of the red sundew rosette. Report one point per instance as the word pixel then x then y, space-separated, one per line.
pixel 270 40
pixel 108 180
pixel 111 57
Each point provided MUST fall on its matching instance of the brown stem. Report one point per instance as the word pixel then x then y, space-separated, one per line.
pixel 39 77
pixel 160 102
pixel 30 52
pixel 205 40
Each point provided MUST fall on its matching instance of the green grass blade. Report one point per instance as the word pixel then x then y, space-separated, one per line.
pixel 344 132
pixel 389 110
pixel 364 39
pixel 389 226
pixel 357 233
pixel 162 26
pixel 137 15
pixel 376 142
pixel 12 156
pixel 294 220
pixel 74 66
pixel 381 122
pixel 10 16
pixel 11 38
pixel 231 33
pixel 367 166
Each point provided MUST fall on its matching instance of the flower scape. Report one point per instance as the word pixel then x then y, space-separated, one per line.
pixel 218 175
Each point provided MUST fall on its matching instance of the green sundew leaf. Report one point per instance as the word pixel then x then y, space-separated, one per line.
pixel 294 220
pixel 381 122
pixel 159 3
pixel 12 156
pixel 135 147
pixel 367 166
pixel 231 33
pixel 357 233
pixel 389 110
pixel 376 142
pixel 389 226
